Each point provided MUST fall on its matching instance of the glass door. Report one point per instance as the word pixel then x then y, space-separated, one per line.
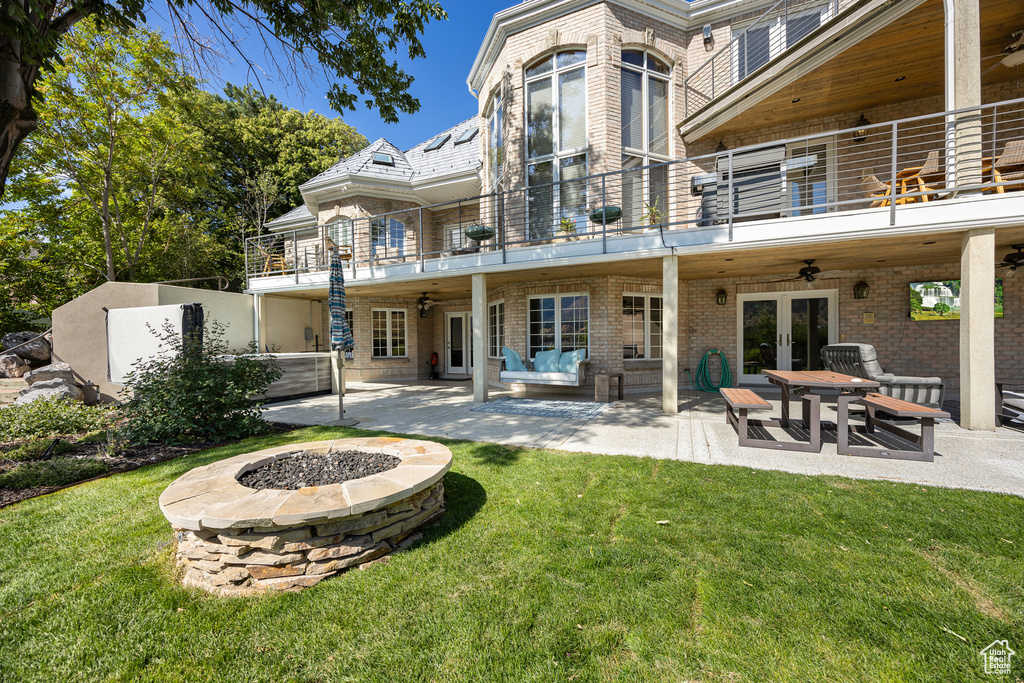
pixel 784 331
pixel 458 345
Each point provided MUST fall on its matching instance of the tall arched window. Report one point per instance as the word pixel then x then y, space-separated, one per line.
pixel 387 238
pixel 556 140
pixel 339 231
pixel 645 124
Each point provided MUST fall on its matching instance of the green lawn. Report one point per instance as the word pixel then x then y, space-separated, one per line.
pixel 548 566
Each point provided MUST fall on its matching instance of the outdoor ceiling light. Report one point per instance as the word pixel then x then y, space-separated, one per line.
pixel 424 304
pixel 721 297
pixel 862 129
pixel 860 290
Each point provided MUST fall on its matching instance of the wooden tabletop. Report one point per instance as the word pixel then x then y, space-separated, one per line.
pixel 817 378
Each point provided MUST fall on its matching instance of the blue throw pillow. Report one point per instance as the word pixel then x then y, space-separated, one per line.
pixel 513 361
pixel 567 361
pixel 546 361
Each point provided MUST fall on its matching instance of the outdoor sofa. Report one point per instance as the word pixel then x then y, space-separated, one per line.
pixel 556 368
pixel 860 360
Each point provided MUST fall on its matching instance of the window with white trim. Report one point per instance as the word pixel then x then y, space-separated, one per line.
pixel 339 231
pixel 454 237
pixel 763 41
pixel 556 142
pixel 644 111
pixel 388 332
pixel 495 328
pixel 495 143
pixel 560 322
pixel 810 176
pixel 642 327
pixel 387 238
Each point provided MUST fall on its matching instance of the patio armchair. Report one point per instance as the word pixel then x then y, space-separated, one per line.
pixel 860 360
pixel 879 192
pixel 1009 166
pixel 930 177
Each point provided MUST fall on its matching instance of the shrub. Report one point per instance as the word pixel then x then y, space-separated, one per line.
pixel 46 417
pixel 57 472
pixel 34 449
pixel 194 391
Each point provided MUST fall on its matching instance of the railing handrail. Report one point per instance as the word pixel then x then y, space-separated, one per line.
pixel 671 162
pixel 516 220
pixel 729 45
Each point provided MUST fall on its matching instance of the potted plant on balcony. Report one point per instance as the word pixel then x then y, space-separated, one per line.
pixel 567 230
pixel 652 215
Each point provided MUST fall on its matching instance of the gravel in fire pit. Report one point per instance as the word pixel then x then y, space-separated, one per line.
pixel 317 469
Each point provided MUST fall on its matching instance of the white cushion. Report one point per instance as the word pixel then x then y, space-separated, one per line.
pixel 537 377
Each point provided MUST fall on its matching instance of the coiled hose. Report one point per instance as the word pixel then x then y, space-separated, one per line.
pixel 702 382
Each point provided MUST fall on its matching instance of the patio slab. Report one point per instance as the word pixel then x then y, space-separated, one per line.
pixel 988 461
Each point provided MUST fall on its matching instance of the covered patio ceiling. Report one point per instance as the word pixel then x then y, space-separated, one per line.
pixel 902 61
pixel 853 255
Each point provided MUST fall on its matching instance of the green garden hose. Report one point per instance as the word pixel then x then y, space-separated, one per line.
pixel 703 380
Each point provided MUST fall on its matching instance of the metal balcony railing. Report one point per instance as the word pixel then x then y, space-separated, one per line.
pixel 889 166
pixel 779 28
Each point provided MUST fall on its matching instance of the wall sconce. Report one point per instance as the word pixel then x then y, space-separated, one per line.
pixel 860 290
pixel 721 147
pixel 861 133
pixel 708 38
pixel 721 297
pixel 424 304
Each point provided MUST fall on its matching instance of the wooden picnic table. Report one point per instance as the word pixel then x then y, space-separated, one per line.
pixel 803 384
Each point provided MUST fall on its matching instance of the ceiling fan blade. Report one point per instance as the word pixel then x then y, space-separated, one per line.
pixel 788 279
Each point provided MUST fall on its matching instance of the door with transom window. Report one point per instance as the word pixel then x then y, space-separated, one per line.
pixel 784 331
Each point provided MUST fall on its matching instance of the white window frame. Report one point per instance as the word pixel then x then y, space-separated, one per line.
pixel 557 154
pixel 646 74
pixel 794 153
pixel 557 296
pixel 776 36
pixel 451 232
pixel 390 333
pixel 341 231
pixel 387 242
pixel 499 342
pixel 495 123
pixel 647 325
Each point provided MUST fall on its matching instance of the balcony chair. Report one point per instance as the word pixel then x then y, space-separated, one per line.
pixel 860 360
pixel 878 191
pixel 930 178
pixel 1009 166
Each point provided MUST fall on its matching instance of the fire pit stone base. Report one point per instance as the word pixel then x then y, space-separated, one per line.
pixel 234 540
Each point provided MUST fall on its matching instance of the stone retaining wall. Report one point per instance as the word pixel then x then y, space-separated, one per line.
pixel 234 540
pixel 301 556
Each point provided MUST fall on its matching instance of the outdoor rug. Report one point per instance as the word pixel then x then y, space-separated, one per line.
pixel 580 410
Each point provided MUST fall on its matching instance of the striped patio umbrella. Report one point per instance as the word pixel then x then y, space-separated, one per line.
pixel 341 335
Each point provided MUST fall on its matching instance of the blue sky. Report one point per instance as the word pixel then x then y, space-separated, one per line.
pixel 440 83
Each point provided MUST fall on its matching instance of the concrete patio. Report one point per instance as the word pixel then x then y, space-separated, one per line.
pixel 987 461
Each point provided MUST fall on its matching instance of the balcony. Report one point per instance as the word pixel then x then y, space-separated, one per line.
pixel 943 170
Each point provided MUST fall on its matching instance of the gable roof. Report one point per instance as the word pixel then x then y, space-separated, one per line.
pixel 297 217
pixel 362 164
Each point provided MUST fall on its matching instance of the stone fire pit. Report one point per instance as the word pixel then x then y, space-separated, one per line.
pixel 235 540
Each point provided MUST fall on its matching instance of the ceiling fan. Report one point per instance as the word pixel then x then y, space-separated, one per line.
pixel 1012 55
pixel 808 273
pixel 1013 259
pixel 424 303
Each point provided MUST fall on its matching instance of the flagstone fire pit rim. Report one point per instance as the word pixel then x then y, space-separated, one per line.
pixel 210 497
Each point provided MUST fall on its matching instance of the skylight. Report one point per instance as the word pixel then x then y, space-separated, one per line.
pixel 466 136
pixel 383 158
pixel 437 142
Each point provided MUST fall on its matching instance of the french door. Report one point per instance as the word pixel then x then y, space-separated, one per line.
pixel 784 331
pixel 458 343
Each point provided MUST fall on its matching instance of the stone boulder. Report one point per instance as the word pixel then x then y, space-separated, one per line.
pixel 60 371
pixel 35 352
pixel 12 365
pixel 49 389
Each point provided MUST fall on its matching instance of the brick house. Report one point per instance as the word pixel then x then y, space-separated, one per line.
pixel 646 181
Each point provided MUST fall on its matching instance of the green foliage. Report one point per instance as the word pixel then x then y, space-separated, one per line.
pixel 941 308
pixel 56 472
pixel 34 449
pixel 195 391
pixel 46 417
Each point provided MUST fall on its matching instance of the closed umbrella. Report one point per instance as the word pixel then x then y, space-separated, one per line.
pixel 341 334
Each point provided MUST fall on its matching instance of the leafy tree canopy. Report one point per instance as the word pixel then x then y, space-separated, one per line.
pixel 349 41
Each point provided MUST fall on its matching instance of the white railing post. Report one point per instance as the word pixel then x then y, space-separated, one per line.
pixel 893 188
pixel 730 198
pixel 420 221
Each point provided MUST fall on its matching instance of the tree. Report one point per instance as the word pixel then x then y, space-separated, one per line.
pixel 941 308
pixel 347 40
pixel 106 136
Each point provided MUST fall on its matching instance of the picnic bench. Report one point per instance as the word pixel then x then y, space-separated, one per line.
pixel 739 401
pixel 925 441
